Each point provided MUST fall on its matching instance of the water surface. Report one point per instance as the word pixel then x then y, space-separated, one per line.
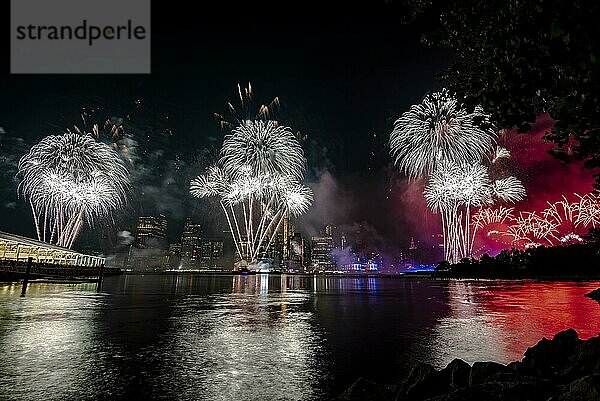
pixel 223 337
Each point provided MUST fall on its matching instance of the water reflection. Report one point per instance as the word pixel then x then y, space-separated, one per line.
pixel 255 343
pixel 46 340
pixel 499 320
pixel 221 337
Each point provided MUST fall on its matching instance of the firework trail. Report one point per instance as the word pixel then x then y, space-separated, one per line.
pixel 454 191
pixel 247 110
pixel 562 222
pixel 257 180
pixel 70 180
pixel 440 140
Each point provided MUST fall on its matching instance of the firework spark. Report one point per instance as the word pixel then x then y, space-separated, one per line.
pixel 265 148
pixel 439 129
pixel 258 182
pixel 69 180
pixel 247 110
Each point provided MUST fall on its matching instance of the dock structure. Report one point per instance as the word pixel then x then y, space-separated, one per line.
pixel 18 249
pixel 22 258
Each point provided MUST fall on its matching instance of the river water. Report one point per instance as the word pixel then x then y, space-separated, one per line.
pixel 223 337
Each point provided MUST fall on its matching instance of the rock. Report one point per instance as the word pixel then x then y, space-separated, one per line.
pixel 585 360
pixel 364 389
pixel 595 295
pixel 586 388
pixel 550 358
pixel 422 382
pixel 561 369
pixel 481 371
pixel 457 373
pixel 496 392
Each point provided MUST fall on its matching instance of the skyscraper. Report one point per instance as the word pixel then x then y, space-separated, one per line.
pixel 191 240
pixel 412 253
pixel 151 231
pixel 321 253
pixel 212 253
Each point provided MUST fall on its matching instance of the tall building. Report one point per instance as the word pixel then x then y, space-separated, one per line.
pixel 287 231
pixel 212 253
pixel 412 253
pixel 321 253
pixel 151 231
pixel 329 230
pixel 173 256
pixel 191 240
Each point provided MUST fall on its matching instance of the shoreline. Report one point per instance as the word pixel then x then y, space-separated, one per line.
pixel 8 278
pixel 563 368
pixel 429 276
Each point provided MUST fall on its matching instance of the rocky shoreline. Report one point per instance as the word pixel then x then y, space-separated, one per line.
pixel 561 369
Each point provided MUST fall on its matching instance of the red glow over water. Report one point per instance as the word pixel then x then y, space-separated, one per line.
pixel 500 320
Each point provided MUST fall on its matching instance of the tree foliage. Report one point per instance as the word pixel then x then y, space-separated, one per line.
pixel 521 58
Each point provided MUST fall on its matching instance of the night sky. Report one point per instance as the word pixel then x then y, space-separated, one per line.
pixel 343 75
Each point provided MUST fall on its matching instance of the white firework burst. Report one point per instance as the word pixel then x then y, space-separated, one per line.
pixel 70 179
pixel 258 183
pixel 440 129
pixel 509 189
pixel 265 147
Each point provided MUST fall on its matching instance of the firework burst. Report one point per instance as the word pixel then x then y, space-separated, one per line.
pixel 454 190
pixel 69 180
pixel 440 129
pixel 263 147
pixel 257 180
pixel 561 222
pixel 438 138
pixel 246 110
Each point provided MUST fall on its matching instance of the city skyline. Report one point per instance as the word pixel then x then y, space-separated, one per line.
pixel 165 129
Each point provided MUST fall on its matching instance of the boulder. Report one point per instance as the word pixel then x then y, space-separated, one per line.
pixel 585 360
pixel 496 392
pixel 367 390
pixel 595 295
pixel 457 373
pixel 422 382
pixel 586 388
pixel 549 359
pixel 481 372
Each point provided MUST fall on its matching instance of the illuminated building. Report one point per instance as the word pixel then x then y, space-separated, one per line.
pixel 412 253
pixel 191 240
pixel 173 256
pixel 212 253
pixel 299 254
pixel 288 230
pixel 151 230
pixel 18 249
pixel 329 230
pixel 321 253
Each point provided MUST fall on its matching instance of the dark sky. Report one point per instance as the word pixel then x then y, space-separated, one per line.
pixel 343 75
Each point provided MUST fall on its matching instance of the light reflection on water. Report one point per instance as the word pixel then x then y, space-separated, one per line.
pixel 222 337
